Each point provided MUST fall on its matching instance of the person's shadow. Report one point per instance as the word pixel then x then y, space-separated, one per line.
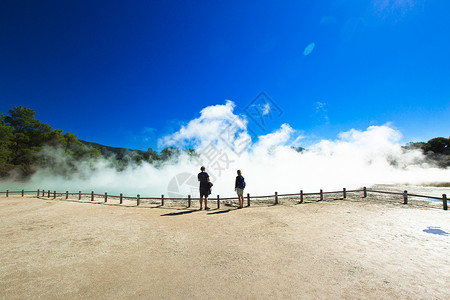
pixel 436 230
pixel 219 212
pixel 179 213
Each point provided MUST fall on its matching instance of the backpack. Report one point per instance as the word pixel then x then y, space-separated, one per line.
pixel 241 182
pixel 210 184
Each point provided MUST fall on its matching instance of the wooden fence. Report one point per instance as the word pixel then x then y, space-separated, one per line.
pixel 301 195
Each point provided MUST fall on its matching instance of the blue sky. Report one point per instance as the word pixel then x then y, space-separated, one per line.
pixel 125 73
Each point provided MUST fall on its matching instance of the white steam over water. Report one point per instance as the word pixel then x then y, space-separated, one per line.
pixel 268 162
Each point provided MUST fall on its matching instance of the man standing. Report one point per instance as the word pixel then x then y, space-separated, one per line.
pixel 203 177
pixel 239 187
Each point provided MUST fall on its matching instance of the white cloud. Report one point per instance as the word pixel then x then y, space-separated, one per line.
pixel 320 106
pixel 277 138
pixel 392 6
pixel 321 112
pixel 149 130
pixel 203 130
pixel 266 109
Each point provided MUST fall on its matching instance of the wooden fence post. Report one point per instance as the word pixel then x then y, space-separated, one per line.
pixel 92 195
pixel 43 192
pixel 48 195
pixel 276 197
pixel 54 194
pixel 23 192
pixel 162 200
pixel 67 195
pixel 218 202
pixel 79 195
pixel 121 198
pixel 7 193
pixel 321 194
pixel 301 196
pixel 248 199
pixel 444 201
pixel 106 197
pixel 38 193
pixel 405 197
pixel 344 193
pixel 365 192
pixel 138 200
pixel 189 200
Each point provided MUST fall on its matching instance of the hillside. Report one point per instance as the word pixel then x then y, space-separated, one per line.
pixel 120 153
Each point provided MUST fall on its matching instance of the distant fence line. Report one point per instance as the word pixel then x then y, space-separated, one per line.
pixel 189 199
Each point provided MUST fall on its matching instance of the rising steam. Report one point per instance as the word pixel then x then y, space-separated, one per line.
pixel 269 162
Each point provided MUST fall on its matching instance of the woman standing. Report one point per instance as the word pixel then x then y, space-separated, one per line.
pixel 239 187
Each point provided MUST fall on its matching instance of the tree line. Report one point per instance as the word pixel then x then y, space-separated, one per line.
pixel 26 144
pixel 437 150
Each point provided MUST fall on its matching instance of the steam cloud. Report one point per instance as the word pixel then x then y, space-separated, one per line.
pixel 269 162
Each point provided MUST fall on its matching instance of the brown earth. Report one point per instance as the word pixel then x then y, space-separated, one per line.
pixel 354 248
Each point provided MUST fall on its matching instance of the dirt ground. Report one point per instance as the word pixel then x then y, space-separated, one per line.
pixel 354 248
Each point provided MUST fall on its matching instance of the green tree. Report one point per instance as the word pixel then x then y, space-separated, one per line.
pixel 438 145
pixel 29 135
pixel 27 143
pixel 6 135
pixel 169 152
pixel 191 152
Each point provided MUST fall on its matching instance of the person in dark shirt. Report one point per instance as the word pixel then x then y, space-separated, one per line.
pixel 203 178
pixel 239 187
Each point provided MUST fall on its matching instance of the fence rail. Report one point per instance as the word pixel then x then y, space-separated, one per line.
pixel 189 199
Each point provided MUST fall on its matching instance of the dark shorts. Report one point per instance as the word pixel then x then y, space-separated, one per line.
pixel 204 192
